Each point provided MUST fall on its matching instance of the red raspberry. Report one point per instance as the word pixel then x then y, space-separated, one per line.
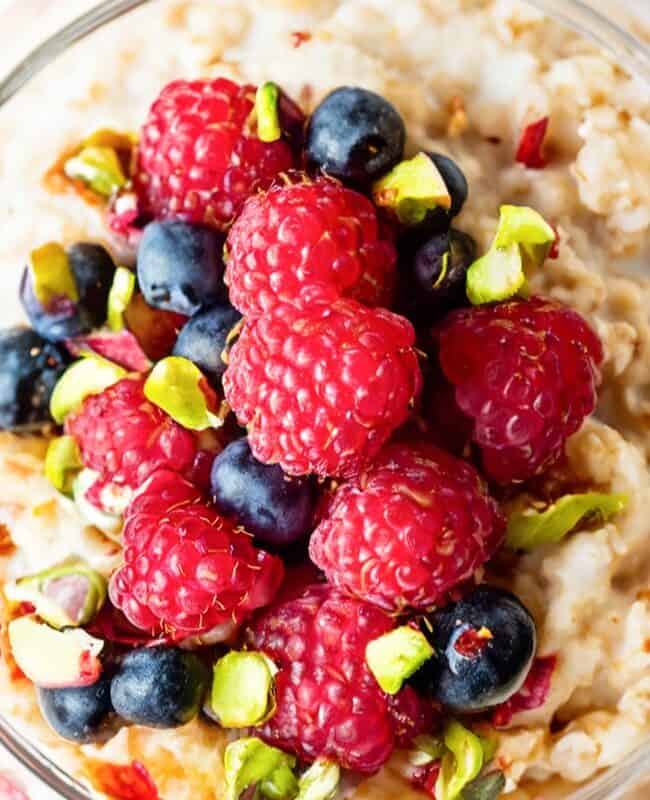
pixel 187 570
pixel 404 532
pixel 125 438
pixel 525 374
pixel 322 388
pixel 197 158
pixel 328 702
pixel 302 235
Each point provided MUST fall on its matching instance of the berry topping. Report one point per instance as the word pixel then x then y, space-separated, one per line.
pixel 160 687
pixel 355 135
pixel 276 509
pixel 323 388
pixel 88 376
pixel 409 528
pixel 31 366
pixel 65 293
pixel 204 340
pixel 529 385
pixel 299 237
pixel 180 267
pixel 198 159
pixel 532 694
pixel 329 704
pixel 483 649
pixel 154 329
pixel 186 568
pixel 79 714
pixel 412 189
pixel 530 152
pixel 455 181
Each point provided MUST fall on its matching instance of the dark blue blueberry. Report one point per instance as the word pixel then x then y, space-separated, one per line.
pixel 81 714
pixel 29 368
pixel 93 270
pixel 160 687
pixel 276 509
pixel 484 646
pixel 180 267
pixel 432 274
pixel 355 135
pixel 455 181
pixel 203 339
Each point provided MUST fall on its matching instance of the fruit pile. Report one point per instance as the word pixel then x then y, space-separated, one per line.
pixel 298 412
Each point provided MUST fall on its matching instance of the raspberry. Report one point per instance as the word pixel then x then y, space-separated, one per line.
pixel 525 374
pixel 307 234
pixel 328 703
pixel 187 569
pixel 125 438
pixel 197 159
pixel 407 530
pixel 322 388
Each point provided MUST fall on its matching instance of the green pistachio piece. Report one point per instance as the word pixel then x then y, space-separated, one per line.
pixel 109 524
pixel 242 689
pixel 266 111
pixel 107 137
pixel 250 761
pixel 395 656
pixel 65 596
pixel 426 750
pixel 52 274
pixel 490 746
pixel 487 787
pixel 280 785
pixel 175 384
pixel 99 167
pixel 320 781
pixel 62 463
pixel 461 764
pixel 527 228
pixel 532 528
pixel 90 375
pixel 411 189
pixel 119 297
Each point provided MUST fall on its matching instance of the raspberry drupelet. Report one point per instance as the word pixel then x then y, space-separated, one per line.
pixel 524 375
pixel 322 387
pixel 328 703
pixel 198 157
pixel 301 235
pixel 408 529
pixel 187 570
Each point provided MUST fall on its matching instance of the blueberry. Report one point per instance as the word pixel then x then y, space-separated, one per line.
pixel 203 339
pixel 454 179
pixel 160 687
pixel 433 273
pixel 355 135
pixel 180 267
pixel 80 714
pixel 276 509
pixel 29 368
pixel 93 269
pixel 484 646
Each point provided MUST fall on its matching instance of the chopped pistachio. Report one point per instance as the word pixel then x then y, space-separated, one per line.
pixel 266 111
pixel 119 297
pixel 250 761
pixel 107 137
pixel 490 746
pixel 98 167
pixel 242 689
pixel 62 463
pixel 280 785
pixel 461 764
pixel 90 375
pixel 320 781
pixel 411 189
pixel 531 528
pixel 426 749
pixel 51 274
pixel 527 228
pixel 487 787
pixel 395 656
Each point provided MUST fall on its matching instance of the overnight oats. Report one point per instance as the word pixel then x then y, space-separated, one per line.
pixel 324 405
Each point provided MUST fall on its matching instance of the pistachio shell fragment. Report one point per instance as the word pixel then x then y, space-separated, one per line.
pixel 90 375
pixel 320 781
pixel 52 275
pixel 242 689
pixel 395 656
pixel 179 387
pixel 250 761
pixel 411 189
pixel 461 764
pixel 65 596
pixel 62 463
pixel 119 297
pixel 531 528
pixel 266 111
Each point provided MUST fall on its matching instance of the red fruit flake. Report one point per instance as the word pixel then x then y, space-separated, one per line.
pixel 531 145
pixel 425 778
pixel 532 694
pixel 471 642
pixel 112 626
pixel 299 38
pixel 121 347
pixel 554 252
pixel 123 781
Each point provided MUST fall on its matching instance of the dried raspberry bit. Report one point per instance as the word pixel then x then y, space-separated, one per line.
pixel 471 642
pixel 123 781
pixel 425 778
pixel 532 694
pixel 298 38
pixel 531 145
pixel 554 252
